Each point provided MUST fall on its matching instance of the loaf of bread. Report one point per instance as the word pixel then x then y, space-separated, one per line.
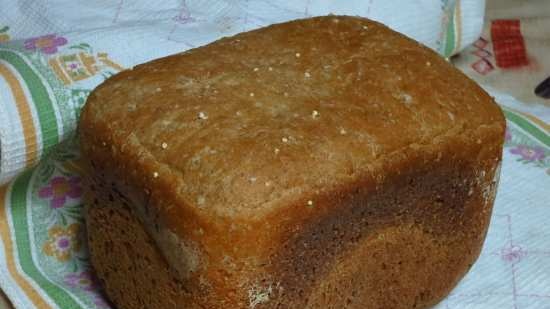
pixel 320 163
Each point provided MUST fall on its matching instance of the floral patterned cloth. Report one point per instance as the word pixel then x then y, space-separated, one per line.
pixel 45 79
pixel 47 43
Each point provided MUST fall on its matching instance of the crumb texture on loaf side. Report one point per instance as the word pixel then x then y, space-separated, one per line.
pixel 319 163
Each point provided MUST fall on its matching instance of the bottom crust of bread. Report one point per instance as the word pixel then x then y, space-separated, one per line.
pixel 135 275
pixel 396 266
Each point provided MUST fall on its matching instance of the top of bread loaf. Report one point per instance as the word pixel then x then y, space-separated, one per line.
pixel 246 124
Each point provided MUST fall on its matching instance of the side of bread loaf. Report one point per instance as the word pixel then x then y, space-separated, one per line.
pixel 321 163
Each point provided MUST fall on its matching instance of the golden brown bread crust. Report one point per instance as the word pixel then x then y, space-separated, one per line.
pixel 291 167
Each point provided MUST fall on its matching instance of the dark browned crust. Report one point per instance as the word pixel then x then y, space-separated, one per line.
pixel 403 245
pixel 128 263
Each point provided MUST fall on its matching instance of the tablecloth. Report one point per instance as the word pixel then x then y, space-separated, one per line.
pixel 53 55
